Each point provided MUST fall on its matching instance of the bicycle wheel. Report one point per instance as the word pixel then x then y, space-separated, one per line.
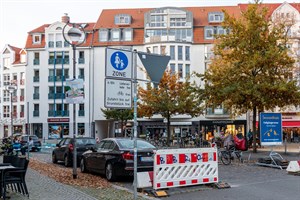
pixel 225 157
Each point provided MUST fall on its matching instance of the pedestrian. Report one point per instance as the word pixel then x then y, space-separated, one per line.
pixel 292 136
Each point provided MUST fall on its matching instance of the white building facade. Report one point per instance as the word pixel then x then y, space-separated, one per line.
pixel 185 34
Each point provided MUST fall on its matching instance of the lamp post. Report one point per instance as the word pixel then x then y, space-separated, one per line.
pixel 11 89
pixel 74 35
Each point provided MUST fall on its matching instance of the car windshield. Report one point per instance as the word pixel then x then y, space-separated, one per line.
pixel 85 141
pixel 128 144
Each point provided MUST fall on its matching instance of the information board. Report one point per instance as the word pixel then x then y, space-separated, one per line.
pixel 118 93
pixel 270 129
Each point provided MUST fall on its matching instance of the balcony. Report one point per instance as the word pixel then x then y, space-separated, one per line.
pixel 36 61
pixel 36 79
pixel 60 113
pixel 80 60
pixel 14 99
pixel 81 113
pixel 36 95
pixel 217 113
pixel 22 98
pixel 56 95
pixel 51 61
pixel 81 76
pixel 36 113
pixel 58 44
pixel 57 78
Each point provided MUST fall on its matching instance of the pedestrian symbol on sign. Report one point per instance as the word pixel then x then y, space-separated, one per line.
pixel 119 60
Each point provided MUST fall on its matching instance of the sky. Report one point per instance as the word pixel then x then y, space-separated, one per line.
pixel 18 17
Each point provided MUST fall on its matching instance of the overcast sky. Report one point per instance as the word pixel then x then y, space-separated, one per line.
pixel 17 17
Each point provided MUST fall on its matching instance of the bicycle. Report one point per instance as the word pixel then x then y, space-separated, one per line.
pixel 228 154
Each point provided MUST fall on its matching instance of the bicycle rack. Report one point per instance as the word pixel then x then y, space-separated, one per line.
pixel 274 160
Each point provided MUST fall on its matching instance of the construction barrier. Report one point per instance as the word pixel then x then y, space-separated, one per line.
pixel 294 166
pixel 183 167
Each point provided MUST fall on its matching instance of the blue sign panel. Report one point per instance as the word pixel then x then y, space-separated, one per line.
pixel 118 63
pixel 270 128
pixel 119 60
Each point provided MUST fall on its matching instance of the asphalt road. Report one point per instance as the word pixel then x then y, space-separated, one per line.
pixel 248 181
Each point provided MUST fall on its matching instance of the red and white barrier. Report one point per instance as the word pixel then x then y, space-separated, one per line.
pixel 183 167
pixel 144 179
pixel 294 166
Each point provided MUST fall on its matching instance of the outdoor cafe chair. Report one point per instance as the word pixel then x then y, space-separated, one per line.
pixel 14 178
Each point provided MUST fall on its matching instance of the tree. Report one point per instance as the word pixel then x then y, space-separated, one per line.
pixel 171 97
pixel 251 70
pixel 122 115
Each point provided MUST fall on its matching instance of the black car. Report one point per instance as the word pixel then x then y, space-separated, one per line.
pixel 64 149
pixel 36 146
pixel 114 157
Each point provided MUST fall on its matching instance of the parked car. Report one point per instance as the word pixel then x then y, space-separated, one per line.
pixel 114 157
pixel 37 145
pixel 64 149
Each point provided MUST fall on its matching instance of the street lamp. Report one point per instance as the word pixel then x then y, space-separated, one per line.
pixel 74 35
pixel 11 89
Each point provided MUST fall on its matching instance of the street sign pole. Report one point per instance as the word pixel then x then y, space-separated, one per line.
pixel 135 123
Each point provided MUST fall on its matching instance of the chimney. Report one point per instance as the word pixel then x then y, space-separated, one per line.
pixel 65 18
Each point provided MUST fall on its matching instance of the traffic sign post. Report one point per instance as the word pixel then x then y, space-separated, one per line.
pixel 119 70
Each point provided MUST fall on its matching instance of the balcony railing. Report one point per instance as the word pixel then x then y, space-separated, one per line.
pixel 57 78
pixel 36 113
pixel 60 113
pixel 56 95
pixel 80 112
pixel 36 95
pixel 58 61
pixel 36 61
pixel 81 76
pixel 80 60
pixel 36 79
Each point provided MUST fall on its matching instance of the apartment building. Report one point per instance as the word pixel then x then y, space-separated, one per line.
pixel 186 34
pixel 13 101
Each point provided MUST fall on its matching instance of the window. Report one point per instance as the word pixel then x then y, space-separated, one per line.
pixel 6 79
pixel 163 50
pixel 187 53
pixel 216 17
pixel 187 70
pixel 36 39
pixel 180 73
pixel 81 57
pixel 6 96
pixel 103 35
pixel 172 68
pixel 36 60
pixel 6 111
pixel 172 52
pixel 179 52
pixel 115 35
pixel 81 73
pixel 122 19
pixel 208 33
pixel 6 63
pixel 59 40
pixel 127 34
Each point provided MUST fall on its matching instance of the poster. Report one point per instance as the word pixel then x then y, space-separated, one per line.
pixel 74 91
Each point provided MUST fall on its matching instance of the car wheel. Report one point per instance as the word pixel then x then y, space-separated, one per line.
pixel 82 166
pixel 110 172
pixel 54 159
pixel 66 161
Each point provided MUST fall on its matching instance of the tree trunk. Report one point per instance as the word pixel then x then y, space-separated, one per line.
pixel 254 129
pixel 168 131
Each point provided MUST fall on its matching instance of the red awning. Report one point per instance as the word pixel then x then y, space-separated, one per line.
pixel 290 123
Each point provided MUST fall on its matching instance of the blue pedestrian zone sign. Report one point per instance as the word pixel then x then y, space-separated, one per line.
pixel 270 129
pixel 118 63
